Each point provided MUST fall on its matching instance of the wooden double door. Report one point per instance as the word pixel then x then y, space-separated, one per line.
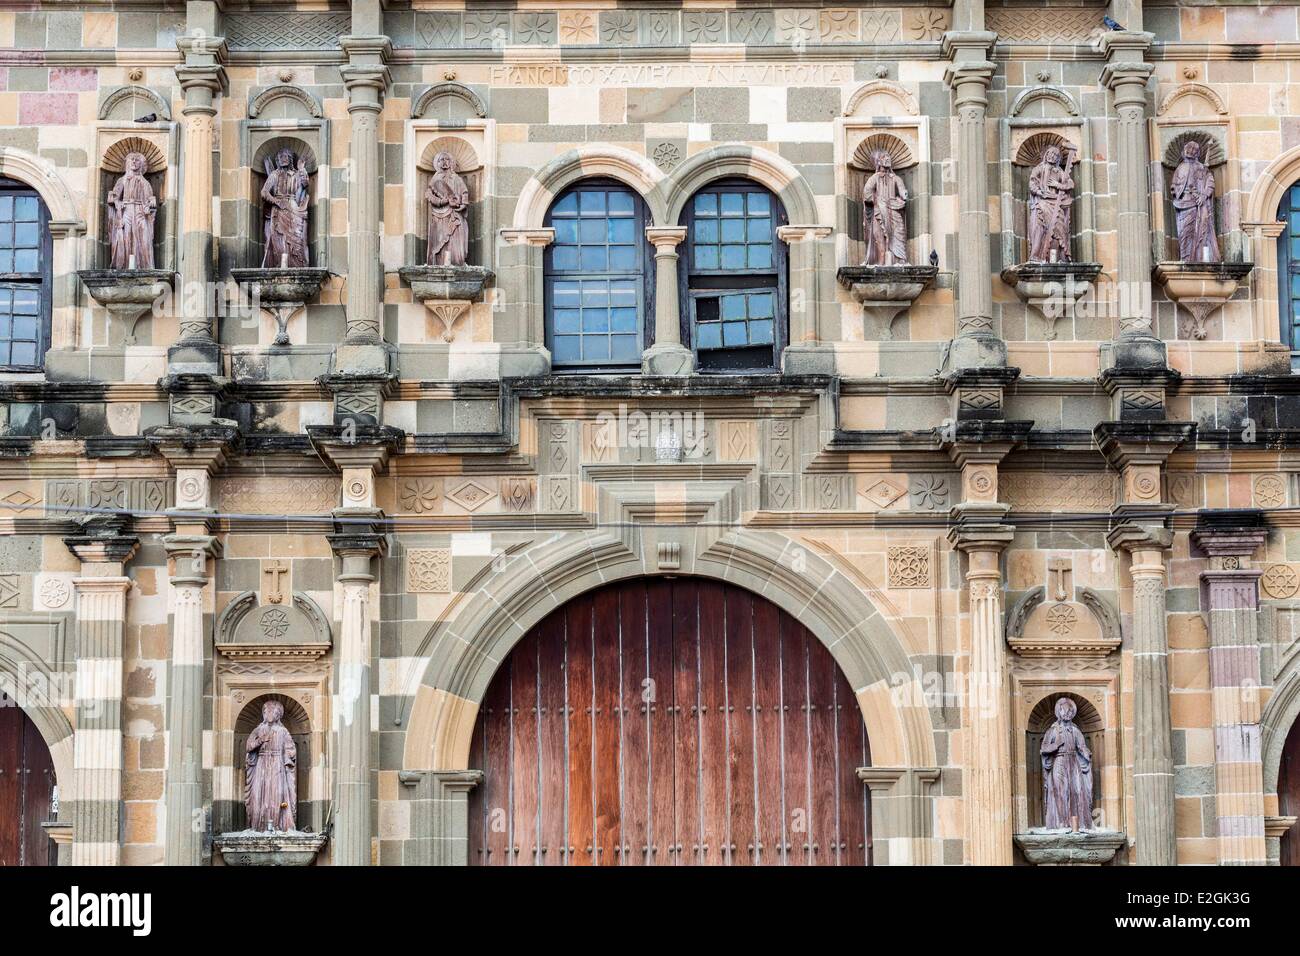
pixel 669 722
pixel 26 790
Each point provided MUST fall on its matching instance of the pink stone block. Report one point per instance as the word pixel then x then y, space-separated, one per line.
pixel 4 77
pixel 76 79
pixel 47 109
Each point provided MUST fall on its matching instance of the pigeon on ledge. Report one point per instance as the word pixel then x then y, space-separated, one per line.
pixel 1112 23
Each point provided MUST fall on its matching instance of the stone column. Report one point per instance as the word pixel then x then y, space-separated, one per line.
pixel 969 76
pixel 352 703
pixel 1153 760
pixel 902 814
pixel 668 356
pixel 1232 591
pixel 97 742
pixel 811 350
pixel 366 78
pixel 1126 75
pixel 439 815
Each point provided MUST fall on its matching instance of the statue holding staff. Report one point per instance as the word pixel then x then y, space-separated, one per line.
pixel 1051 195
pixel 286 196
pixel 884 197
pixel 1193 197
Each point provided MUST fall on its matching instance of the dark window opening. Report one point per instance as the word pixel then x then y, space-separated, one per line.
pixel 25 284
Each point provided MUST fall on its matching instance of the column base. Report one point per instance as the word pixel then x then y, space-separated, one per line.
pixel 981 350
pixel 808 358
pixel 1139 351
pixel 667 360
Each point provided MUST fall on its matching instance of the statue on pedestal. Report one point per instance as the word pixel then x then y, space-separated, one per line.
pixel 132 208
pixel 286 196
pixel 884 197
pixel 1067 772
pixel 1193 196
pixel 448 199
pixel 270 773
pixel 1051 195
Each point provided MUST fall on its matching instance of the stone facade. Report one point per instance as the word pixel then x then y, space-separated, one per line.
pixel 980 488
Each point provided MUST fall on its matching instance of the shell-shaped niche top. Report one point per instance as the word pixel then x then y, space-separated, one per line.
pixel 296 146
pixel 131 103
pixel 448 101
pixel 467 160
pixel 1212 153
pixel 114 158
pixel 864 155
pixel 284 102
pixel 1031 150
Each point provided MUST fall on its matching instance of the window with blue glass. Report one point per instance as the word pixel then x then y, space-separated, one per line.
pixel 596 293
pixel 1289 267
pixel 734 281
pixel 24 277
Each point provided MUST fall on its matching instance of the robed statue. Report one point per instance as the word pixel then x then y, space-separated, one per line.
pixel 286 197
pixel 884 197
pixel 1193 196
pixel 1051 194
pixel 132 209
pixel 270 773
pixel 448 199
pixel 1067 772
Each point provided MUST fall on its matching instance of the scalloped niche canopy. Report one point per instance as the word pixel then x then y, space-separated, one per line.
pixel 864 154
pixel 1211 149
pixel 463 153
pixel 1030 151
pixel 114 158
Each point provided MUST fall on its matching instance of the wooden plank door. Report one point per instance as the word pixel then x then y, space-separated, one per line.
pixel 26 789
pixel 670 722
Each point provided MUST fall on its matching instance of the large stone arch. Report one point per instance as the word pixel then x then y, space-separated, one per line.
pixel 460 655
pixel 44 178
pixel 769 169
pixel 37 689
pixel 587 162
pixel 1276 178
pixel 1279 716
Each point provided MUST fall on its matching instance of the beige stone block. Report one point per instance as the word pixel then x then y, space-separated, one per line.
pixel 142 785
pixel 1189 708
pixel 1200 745
pixel 863 412
pixel 1202 24
pixel 1189 670
pixel 1026 569
pixel 1202 851
pixel 7 28
pixel 141 821
pixel 1187 817
pixel 142 855
pixel 98 29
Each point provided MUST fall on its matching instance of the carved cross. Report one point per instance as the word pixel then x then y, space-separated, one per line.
pixel 1058 572
pixel 275 595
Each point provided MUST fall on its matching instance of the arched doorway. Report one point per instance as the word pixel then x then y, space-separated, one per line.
pixel 1288 796
pixel 26 790
pixel 669 722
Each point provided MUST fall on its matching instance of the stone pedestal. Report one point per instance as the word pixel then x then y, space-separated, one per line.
pixel 1070 847
pixel 127 294
pixel 252 848
pixel 1052 289
pixel 446 292
pixel 884 292
pixel 1201 288
pixel 281 292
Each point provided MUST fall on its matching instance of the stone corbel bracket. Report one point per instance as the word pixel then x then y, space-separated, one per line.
pixel 447 291
pixel 884 292
pixel 1052 289
pixel 1201 288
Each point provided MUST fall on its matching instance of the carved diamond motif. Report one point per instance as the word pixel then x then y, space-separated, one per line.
pixel 471 495
pixel 882 494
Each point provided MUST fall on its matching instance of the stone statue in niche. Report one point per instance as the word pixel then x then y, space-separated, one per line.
pixel 884 197
pixel 1193 196
pixel 132 209
pixel 1067 772
pixel 448 199
pixel 286 197
pixel 270 773
pixel 1051 195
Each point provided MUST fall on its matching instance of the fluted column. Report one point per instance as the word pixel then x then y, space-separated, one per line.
pixel 352 704
pixel 1153 760
pixel 969 77
pixel 185 812
pixel 366 78
pixel 97 741
pixel 1232 590
pixel 667 356
pixel 1126 77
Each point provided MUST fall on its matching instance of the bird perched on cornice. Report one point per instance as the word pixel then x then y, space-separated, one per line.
pixel 934 258
pixel 1112 23
pixel 148 118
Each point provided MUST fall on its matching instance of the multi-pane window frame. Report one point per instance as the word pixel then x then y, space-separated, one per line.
pixel 641 277
pixel 697 282
pixel 15 282
pixel 1288 272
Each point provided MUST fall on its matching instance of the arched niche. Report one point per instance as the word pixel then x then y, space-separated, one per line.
pixel 1041 718
pixel 283 116
pixel 472 170
pixel 305 738
pixel 112 164
pixel 1194 111
pixel 265 155
pixel 1043 116
pixel 902 151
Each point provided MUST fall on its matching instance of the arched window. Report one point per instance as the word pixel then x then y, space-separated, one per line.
pixel 25 285
pixel 597 295
pixel 734 281
pixel 1288 268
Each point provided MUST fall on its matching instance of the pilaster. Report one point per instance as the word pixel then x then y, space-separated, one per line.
pixel 667 356
pixel 902 814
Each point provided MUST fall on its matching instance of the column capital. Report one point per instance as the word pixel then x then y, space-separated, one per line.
pixel 985 442
pixel 805 232
pixel 884 779
pixel 981 537
pixel 104 545
pixel 540 238
pixel 208 79
pixel 1124 443
pixel 968 47
pixel 1127 79
pixel 1134 537
pixel 355 548
pixel 193 549
pixel 663 238
pixel 1230 534
pixel 1124 46
pixel 193 446
pixel 364 447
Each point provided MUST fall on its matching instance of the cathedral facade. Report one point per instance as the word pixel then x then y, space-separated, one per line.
pixel 656 433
